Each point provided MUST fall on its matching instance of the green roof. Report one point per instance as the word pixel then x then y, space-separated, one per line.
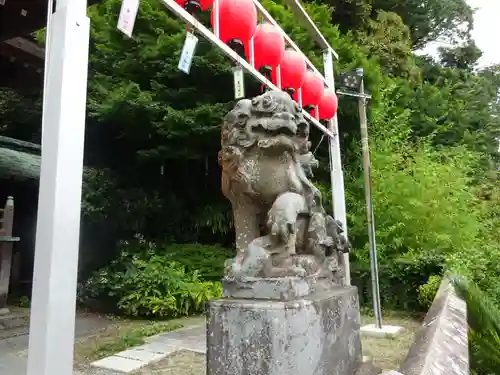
pixel 19 160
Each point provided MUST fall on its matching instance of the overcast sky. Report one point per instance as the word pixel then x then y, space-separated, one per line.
pixel 486 27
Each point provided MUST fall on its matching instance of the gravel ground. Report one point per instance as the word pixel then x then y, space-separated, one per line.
pixel 182 362
pixel 179 363
pixel 389 353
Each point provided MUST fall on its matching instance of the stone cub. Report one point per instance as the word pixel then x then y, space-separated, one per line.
pixel 282 224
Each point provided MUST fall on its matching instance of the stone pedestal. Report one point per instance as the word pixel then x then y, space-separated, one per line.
pixel 287 288
pixel 313 335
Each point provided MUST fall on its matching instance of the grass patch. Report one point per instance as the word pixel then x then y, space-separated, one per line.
pixel 120 336
pixel 388 353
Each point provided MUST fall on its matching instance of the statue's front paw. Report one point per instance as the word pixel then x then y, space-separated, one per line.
pixel 231 268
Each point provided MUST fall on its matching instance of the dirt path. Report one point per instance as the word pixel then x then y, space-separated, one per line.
pixel 14 340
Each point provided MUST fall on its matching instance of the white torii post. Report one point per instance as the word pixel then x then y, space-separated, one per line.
pixel 336 172
pixel 52 319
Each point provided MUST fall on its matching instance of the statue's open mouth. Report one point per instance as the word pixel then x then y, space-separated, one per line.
pixel 275 128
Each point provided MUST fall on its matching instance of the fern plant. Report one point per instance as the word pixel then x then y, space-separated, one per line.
pixel 484 328
pixel 148 284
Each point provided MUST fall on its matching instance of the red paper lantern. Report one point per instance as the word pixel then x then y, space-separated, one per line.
pixel 194 6
pixel 293 70
pixel 327 106
pixel 237 23
pixel 268 46
pixel 312 90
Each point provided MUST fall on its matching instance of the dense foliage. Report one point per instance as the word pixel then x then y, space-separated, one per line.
pixel 142 281
pixel 484 322
pixel 427 208
pixel 153 136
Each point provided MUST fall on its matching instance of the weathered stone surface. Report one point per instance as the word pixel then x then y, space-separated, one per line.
pixel 316 335
pixel 288 312
pixel 282 229
pixel 441 346
pixel 279 289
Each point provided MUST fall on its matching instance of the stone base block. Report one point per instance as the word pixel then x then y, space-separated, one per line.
pixel 280 288
pixel 371 330
pixel 315 335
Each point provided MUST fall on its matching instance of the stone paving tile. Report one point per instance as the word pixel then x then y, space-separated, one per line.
pixel 160 348
pixel 192 339
pixel 141 353
pixel 183 333
pixel 198 344
pixel 162 341
pixel 121 364
pixel 179 363
pixel 157 348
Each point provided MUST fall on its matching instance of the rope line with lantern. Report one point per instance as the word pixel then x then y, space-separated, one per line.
pixel 246 35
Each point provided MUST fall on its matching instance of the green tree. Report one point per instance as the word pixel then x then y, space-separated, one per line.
pixel 149 118
pixel 387 39
pixel 20 114
pixel 454 107
pixel 349 14
pixel 430 213
pixel 424 201
pixel 431 20
pixel 462 57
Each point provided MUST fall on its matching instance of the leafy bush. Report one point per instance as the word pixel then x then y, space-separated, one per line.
pixel 207 260
pixel 148 284
pixel 428 291
pixel 400 280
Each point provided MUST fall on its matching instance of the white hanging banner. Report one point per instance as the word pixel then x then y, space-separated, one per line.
pixel 2 2
pixel 187 53
pixel 128 14
pixel 328 61
pixel 239 82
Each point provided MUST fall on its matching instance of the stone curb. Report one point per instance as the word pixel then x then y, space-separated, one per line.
pixel 441 346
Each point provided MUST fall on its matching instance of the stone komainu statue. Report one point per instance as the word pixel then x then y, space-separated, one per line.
pixel 281 227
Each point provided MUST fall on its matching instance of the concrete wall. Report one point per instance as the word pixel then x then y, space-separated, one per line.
pixel 441 346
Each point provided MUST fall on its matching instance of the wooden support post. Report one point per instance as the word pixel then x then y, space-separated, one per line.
pixel 6 253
